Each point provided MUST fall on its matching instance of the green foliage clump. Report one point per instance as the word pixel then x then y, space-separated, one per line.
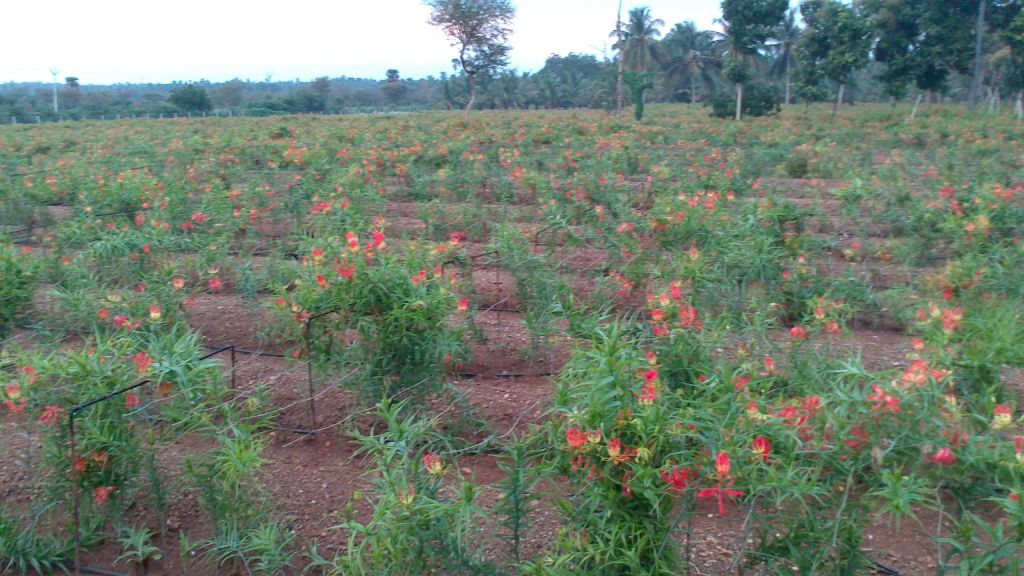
pixel 758 100
pixel 16 288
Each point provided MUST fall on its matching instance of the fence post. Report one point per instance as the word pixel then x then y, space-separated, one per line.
pixel 309 374
pixel 39 120
pixel 14 120
pixel 74 493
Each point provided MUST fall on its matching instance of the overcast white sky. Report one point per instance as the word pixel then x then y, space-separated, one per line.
pixel 110 41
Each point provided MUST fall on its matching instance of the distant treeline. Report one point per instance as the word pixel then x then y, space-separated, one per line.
pixel 828 50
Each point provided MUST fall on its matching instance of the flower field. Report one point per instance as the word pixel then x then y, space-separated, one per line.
pixel 514 343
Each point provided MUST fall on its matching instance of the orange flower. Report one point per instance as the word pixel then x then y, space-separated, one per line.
pixel 951 320
pixel 575 438
pixel 102 493
pixel 432 463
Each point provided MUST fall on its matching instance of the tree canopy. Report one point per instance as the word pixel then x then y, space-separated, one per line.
pixel 480 30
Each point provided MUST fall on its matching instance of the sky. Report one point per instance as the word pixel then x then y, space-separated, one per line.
pixel 114 41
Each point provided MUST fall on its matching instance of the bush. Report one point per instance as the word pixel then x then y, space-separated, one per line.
pixel 758 100
pixel 16 288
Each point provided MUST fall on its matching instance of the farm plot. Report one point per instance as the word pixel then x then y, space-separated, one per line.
pixel 537 342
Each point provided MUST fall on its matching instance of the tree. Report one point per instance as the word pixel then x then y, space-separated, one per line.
pixel 787 36
pixel 229 94
pixel 190 98
pixel 836 41
pixel 689 57
pixel 321 90
pixel 749 23
pixel 921 40
pixel 393 89
pixel 480 30
pixel 638 46
pixel 1013 36
pixel 565 81
pixel 72 92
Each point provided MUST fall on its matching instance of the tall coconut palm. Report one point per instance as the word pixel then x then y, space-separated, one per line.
pixel 638 46
pixel 689 56
pixel 783 49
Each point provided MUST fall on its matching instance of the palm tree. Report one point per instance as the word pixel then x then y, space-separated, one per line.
pixel 638 46
pixel 690 56
pixel 784 48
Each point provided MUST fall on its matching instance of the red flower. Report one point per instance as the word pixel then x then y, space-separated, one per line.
pixel 678 479
pixel 131 401
pixel 883 402
pixel 576 438
pixel 353 241
pixel 432 463
pixel 720 493
pixel 722 465
pixel 762 448
pixel 214 283
pixel 51 415
pixel 861 437
pixel 321 281
pixel 378 239
pixel 463 305
pixel 101 493
pixel 614 448
pixel 688 318
pixel 798 333
pixel 951 320
pixel 647 395
pixel 344 269
pixel 142 362
pixel 1002 416
pixel 944 456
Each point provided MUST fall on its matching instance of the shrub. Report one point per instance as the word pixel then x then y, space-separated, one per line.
pixel 16 288
pixel 758 100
